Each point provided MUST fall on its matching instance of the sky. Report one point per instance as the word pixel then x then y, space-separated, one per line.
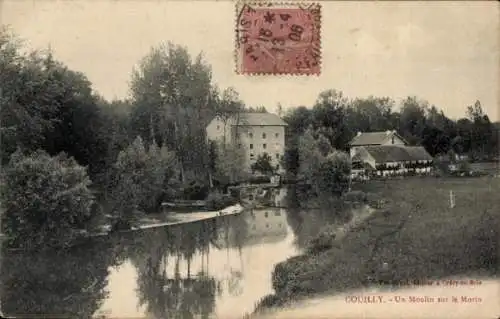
pixel 444 52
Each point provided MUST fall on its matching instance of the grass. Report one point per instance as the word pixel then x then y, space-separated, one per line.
pixel 416 233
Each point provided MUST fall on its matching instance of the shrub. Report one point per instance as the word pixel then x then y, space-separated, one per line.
pixel 263 164
pixel 47 200
pixel 142 177
pixel 325 240
pixel 333 175
pixel 217 200
pixel 195 191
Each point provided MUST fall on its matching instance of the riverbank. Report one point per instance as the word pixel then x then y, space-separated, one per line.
pixel 415 235
pixel 161 220
pixel 467 301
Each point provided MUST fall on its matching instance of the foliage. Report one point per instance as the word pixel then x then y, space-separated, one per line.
pixel 338 119
pixel 69 283
pixel 333 175
pixel 141 178
pixel 310 156
pixel 329 118
pixel 229 164
pixel 46 200
pixel 169 295
pixel 325 240
pixel 44 105
pixel 173 101
pixel 217 200
pixel 258 109
pixel 263 164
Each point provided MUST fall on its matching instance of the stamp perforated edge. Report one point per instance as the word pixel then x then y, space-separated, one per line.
pixel 276 4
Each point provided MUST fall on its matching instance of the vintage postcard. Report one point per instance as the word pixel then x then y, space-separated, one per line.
pixel 249 159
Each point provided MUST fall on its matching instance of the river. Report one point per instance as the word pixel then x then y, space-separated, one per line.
pixel 216 268
pixel 211 269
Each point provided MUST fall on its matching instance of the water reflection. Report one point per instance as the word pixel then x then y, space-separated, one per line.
pixel 215 268
pixel 164 293
pixel 66 284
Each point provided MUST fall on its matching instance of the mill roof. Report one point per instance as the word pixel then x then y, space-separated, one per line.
pixel 258 119
pixel 398 153
pixel 373 138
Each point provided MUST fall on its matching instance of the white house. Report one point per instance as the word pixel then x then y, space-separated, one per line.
pixel 254 133
pixel 375 139
pixel 387 153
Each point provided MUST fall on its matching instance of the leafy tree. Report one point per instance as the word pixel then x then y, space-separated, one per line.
pixel 263 164
pixel 412 120
pixel 257 109
pixel 115 132
pixel 44 105
pixel 46 200
pixel 370 114
pixel 141 179
pixel 229 107
pixel 310 157
pixel 173 102
pixel 298 120
pixel 333 175
pixel 229 164
pixel 481 132
pixel 329 118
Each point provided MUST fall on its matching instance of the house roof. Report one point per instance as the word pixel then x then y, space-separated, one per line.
pixel 373 138
pixel 397 153
pixel 258 119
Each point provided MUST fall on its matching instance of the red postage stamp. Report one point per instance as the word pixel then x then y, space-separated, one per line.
pixel 277 38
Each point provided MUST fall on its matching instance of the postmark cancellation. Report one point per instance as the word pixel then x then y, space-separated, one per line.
pixel 275 38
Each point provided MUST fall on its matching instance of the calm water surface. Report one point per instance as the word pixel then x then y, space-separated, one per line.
pixel 210 269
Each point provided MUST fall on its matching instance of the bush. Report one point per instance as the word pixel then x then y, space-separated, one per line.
pixel 142 177
pixel 195 191
pixel 47 200
pixel 325 240
pixel 263 164
pixel 333 175
pixel 217 200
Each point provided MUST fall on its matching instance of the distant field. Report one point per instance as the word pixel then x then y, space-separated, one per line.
pixel 434 241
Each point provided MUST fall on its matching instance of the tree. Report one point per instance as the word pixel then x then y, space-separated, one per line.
pixel 370 114
pixel 263 164
pixel 333 175
pixel 229 107
pixel 481 132
pixel 412 120
pixel 44 105
pixel 329 117
pixel 229 163
pixel 173 102
pixel 115 131
pixel 310 157
pixel 141 178
pixel 46 200
pixel 257 109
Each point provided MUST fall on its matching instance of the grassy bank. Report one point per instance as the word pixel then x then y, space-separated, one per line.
pixel 416 233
